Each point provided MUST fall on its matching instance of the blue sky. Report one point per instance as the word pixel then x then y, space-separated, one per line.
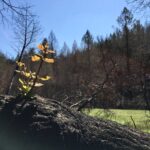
pixel 69 20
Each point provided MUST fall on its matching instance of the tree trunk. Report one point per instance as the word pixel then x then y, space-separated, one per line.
pixel 45 124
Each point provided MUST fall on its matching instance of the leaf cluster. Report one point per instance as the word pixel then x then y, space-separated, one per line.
pixel 30 79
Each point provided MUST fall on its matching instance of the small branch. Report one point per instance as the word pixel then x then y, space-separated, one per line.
pixel 133 122
pixel 35 80
pixel 81 104
pixel 15 9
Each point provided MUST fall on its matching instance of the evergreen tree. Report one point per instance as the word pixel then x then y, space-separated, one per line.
pixel 125 20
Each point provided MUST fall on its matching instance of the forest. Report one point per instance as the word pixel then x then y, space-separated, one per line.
pixel 102 73
pixel 117 67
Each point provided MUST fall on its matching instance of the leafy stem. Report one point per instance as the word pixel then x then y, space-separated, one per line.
pixel 30 79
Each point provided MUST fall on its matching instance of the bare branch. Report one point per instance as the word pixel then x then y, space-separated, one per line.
pixel 81 104
pixel 26 30
pixel 7 8
pixel 139 5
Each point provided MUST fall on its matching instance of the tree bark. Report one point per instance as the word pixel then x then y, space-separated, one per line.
pixel 45 124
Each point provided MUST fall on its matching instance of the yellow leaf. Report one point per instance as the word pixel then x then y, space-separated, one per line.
pixel 20 64
pixel 33 76
pixel 44 78
pixel 50 51
pixel 33 73
pixel 49 60
pixel 25 87
pixel 19 89
pixel 41 47
pixel 30 83
pixel 27 74
pixel 35 58
pixel 17 71
pixel 38 84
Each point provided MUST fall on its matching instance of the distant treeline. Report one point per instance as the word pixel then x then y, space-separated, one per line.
pixel 116 66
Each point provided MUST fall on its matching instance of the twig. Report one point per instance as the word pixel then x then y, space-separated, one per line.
pixel 133 122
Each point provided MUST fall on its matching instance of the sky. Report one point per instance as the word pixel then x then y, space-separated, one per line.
pixel 69 20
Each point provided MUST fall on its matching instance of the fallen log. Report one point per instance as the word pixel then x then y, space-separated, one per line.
pixel 45 124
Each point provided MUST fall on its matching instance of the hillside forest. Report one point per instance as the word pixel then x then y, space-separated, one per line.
pixel 102 72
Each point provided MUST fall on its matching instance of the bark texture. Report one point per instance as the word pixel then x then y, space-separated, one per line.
pixel 45 124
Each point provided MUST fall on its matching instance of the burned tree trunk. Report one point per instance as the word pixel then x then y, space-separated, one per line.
pixel 44 124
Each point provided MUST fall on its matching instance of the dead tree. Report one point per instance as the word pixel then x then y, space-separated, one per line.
pixel 25 30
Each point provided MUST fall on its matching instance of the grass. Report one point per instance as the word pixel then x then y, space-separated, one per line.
pixel 133 118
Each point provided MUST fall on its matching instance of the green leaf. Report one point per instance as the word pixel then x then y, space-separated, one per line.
pixel 21 81
pixel 26 88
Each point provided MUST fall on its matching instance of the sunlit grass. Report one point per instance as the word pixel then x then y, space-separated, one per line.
pixel 125 117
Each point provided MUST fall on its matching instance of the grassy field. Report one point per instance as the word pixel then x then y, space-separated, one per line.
pixel 133 118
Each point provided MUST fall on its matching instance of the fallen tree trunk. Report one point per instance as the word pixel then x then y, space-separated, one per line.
pixel 44 124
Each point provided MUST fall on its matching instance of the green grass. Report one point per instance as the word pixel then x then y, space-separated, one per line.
pixel 125 117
